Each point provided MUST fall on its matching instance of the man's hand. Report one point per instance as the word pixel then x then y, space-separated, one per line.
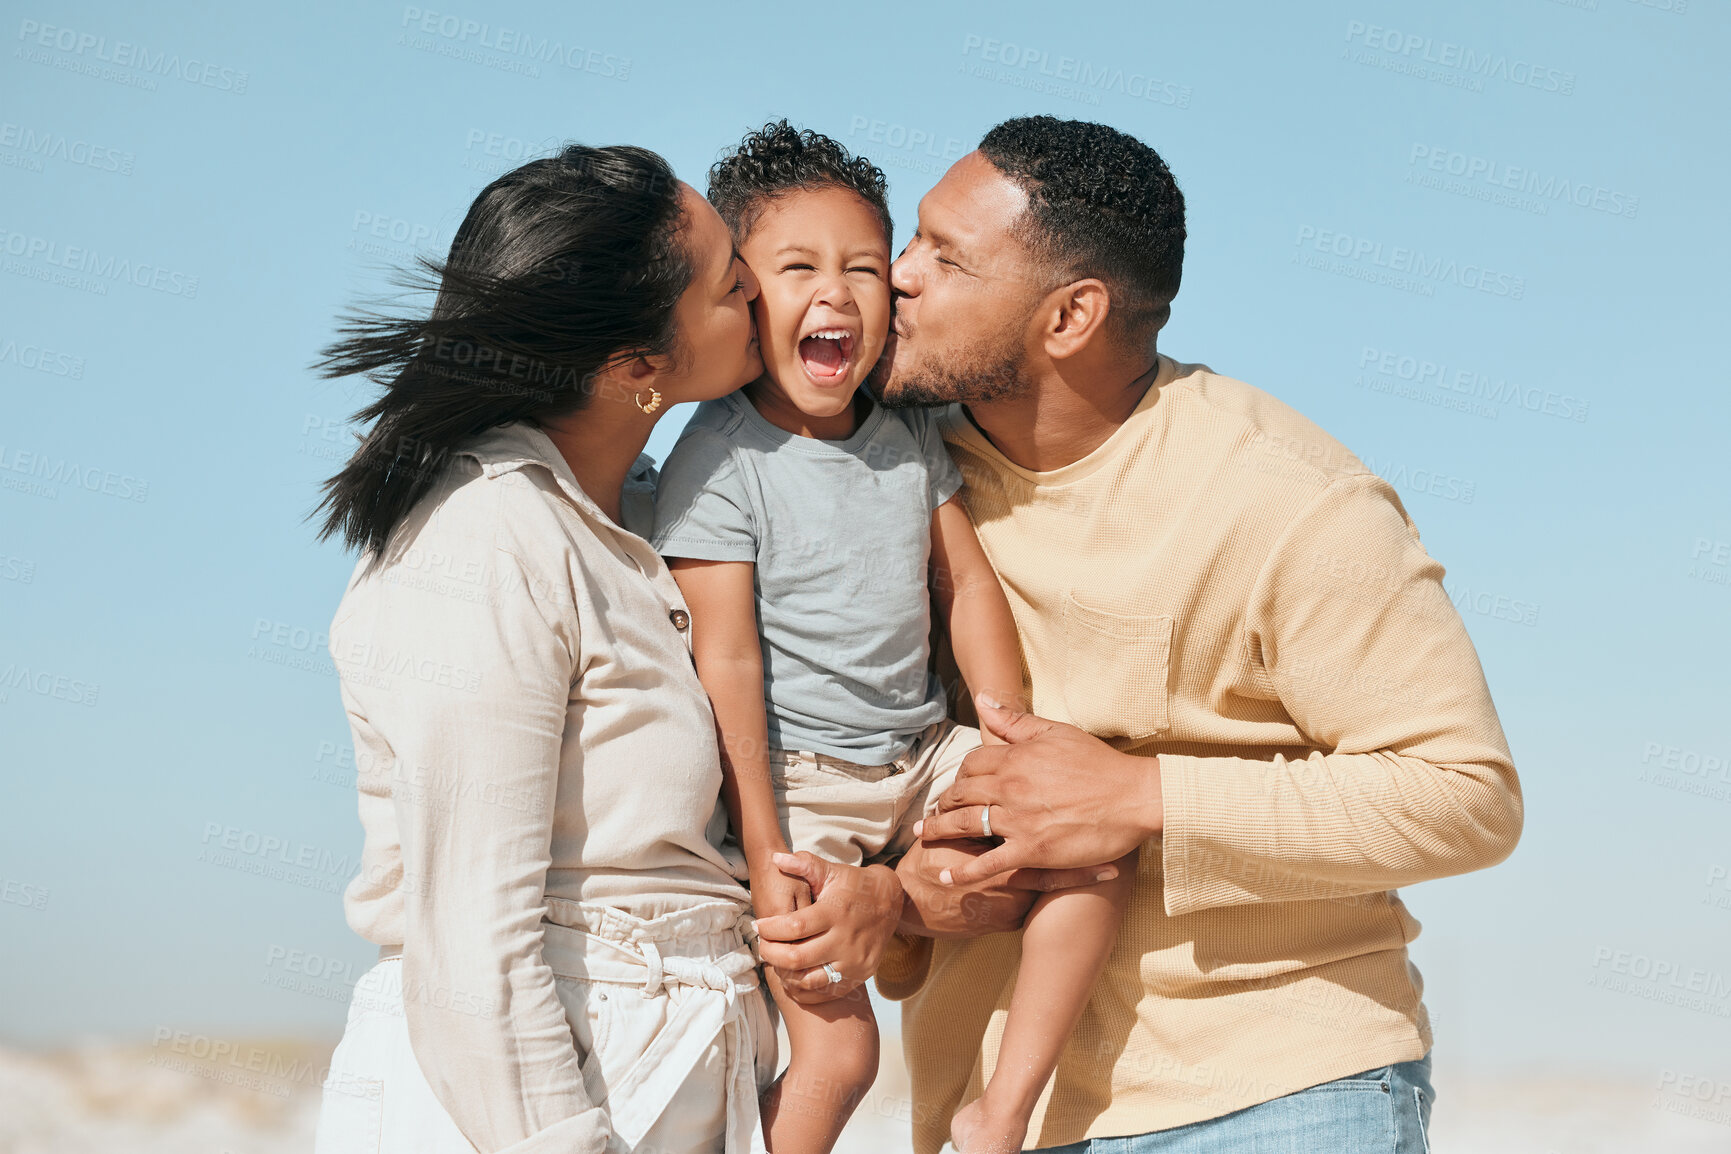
pixel 934 909
pixel 850 921
pixel 1060 798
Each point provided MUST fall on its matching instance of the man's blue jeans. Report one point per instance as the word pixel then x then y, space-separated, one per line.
pixel 1385 1111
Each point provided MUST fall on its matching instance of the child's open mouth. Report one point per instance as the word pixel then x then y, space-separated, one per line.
pixel 826 353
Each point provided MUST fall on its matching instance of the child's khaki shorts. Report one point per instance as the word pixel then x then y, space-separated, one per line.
pixel 854 814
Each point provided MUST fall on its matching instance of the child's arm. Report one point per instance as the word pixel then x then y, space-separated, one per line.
pixel 724 641
pixel 967 594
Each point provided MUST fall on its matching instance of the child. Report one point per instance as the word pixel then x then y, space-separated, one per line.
pixel 811 530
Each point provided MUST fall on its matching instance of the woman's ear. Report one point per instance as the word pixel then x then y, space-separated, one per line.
pixel 652 369
pixel 623 380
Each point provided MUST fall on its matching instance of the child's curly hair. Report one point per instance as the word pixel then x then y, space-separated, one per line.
pixel 778 159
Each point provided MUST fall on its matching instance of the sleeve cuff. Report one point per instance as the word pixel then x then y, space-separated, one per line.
pixel 705 550
pixel 1181 863
pixel 945 485
pixel 590 1132
pixel 903 968
pixel 1215 848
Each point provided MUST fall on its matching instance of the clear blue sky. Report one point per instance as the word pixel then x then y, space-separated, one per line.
pixel 1443 231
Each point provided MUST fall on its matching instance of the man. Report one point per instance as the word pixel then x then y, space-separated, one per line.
pixel 1240 658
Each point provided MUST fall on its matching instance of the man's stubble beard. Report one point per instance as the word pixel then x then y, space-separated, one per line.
pixel 990 370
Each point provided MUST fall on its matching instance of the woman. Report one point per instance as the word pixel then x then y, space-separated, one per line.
pixel 562 941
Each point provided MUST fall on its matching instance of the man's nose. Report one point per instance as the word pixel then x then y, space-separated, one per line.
pixel 902 276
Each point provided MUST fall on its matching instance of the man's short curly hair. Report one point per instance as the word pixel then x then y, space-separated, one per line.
pixel 778 159
pixel 1100 204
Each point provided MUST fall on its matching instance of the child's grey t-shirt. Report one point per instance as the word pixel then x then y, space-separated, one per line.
pixel 840 533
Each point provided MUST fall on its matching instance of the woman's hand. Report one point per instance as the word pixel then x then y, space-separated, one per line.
pixel 850 921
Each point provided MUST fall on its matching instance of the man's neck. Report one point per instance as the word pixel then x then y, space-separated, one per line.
pixel 1064 417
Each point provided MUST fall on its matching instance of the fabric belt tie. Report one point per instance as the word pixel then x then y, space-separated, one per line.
pixel 639 1095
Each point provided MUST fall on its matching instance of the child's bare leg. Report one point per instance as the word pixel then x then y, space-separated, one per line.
pixel 834 1062
pixel 1065 941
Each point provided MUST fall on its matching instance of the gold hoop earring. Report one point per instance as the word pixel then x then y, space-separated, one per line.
pixel 654 400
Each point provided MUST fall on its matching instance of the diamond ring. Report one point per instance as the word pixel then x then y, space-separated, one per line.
pixel 833 974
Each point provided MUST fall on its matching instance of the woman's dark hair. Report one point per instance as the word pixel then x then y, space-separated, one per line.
pixel 778 159
pixel 562 268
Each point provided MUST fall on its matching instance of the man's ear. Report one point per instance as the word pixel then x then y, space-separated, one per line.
pixel 1076 316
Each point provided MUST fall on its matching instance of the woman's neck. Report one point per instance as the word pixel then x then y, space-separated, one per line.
pixel 601 443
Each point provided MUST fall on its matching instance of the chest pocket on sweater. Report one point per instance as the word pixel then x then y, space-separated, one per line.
pixel 1116 668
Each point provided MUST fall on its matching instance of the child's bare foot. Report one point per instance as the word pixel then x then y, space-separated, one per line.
pixel 976 1130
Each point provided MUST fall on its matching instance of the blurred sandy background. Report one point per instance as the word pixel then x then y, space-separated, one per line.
pixel 261 1097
